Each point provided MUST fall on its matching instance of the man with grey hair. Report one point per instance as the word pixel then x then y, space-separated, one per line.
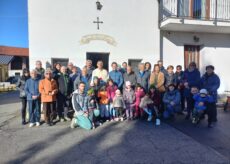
pixel 89 67
pixel 39 69
pixel 64 92
pixel 142 76
pixel 33 98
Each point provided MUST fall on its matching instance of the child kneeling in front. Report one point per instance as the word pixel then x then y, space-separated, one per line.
pixel 201 101
pixel 119 105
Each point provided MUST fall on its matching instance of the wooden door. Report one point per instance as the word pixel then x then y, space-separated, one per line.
pixel 191 54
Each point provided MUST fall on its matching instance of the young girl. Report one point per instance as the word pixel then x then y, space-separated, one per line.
pixel 139 93
pixel 129 98
pixel 111 89
pixel 155 97
pixel 103 103
pixel 119 105
pixel 93 108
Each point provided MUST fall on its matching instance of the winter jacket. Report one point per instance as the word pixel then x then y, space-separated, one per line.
pixel 157 81
pixel 111 92
pixel 92 103
pixel 130 77
pixel 45 88
pixel 86 79
pixel 103 97
pixel 170 79
pixel 40 73
pixel 156 98
pixel 163 70
pixel 21 86
pixel 31 88
pixel 179 77
pixel 118 102
pixel 139 94
pixel 117 78
pixel 193 78
pixel 198 99
pixel 172 96
pixel 129 96
pixel 143 79
pixel 145 101
pixel 80 102
pixel 211 83
pixel 64 84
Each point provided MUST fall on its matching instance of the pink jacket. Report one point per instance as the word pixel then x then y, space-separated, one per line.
pixel 139 94
pixel 111 92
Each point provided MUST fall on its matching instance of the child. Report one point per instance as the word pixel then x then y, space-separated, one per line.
pixel 129 98
pixel 93 107
pixel 119 105
pixel 155 97
pixel 111 89
pixel 145 101
pixel 201 101
pixel 96 86
pixel 103 103
pixel 139 93
pixel 171 101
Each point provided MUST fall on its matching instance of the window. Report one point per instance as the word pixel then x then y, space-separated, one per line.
pixel 62 61
pixel 134 63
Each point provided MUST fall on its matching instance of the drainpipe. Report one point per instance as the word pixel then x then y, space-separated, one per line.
pixel 216 14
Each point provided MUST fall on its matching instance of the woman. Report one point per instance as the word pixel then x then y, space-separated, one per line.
pixel 21 86
pixel 157 79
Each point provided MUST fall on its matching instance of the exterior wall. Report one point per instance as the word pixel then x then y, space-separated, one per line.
pixel 215 50
pixel 57 26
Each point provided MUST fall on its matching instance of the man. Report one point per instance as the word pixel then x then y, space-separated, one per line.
pixel 142 76
pixel 211 82
pixel 74 73
pixel 162 68
pixel 124 67
pixel 101 73
pixel 116 75
pixel 33 98
pixel 70 67
pixel 83 77
pixel 80 102
pixel 48 89
pixel 89 67
pixel 129 76
pixel 179 74
pixel 39 69
pixel 64 93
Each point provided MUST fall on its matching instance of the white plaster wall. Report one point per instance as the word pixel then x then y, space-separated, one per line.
pixel 215 50
pixel 56 27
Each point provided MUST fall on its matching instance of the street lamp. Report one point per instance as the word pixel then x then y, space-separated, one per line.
pixel 99 5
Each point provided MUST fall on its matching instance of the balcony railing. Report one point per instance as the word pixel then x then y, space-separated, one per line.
pixel 209 10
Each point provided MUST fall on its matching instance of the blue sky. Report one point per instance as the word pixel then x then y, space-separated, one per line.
pixel 13 23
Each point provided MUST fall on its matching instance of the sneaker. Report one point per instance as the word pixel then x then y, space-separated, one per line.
pixel 150 118
pixel 67 118
pixel 73 124
pixel 194 120
pixel 62 119
pixel 31 125
pixel 158 121
pixel 116 119
pixel 37 123
pixel 121 119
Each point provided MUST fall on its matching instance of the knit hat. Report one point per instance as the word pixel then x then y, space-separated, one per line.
pixel 204 91
pixel 128 83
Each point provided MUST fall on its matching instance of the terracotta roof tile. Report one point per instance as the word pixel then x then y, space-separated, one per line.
pixel 14 51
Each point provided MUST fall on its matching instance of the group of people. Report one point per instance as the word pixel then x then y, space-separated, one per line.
pixel 121 94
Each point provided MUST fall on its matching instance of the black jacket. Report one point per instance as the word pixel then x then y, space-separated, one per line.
pixel 64 84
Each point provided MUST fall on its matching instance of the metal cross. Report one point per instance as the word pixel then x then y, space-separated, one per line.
pixel 98 23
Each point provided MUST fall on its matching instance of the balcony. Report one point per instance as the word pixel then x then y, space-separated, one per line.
pixel 210 16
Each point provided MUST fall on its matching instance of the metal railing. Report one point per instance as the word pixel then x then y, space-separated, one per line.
pixel 216 10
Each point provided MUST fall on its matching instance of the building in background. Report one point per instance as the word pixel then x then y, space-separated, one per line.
pixel 176 31
pixel 12 61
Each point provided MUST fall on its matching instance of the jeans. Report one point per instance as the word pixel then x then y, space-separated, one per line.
pixel 23 109
pixel 34 111
pixel 169 111
pixel 118 112
pixel 111 110
pixel 63 105
pixel 104 110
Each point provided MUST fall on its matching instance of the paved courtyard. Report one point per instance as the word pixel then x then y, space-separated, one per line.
pixel 125 142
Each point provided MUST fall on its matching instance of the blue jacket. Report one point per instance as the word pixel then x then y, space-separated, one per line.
pixel 117 78
pixel 193 78
pixel 172 96
pixel 198 99
pixel 31 88
pixel 211 83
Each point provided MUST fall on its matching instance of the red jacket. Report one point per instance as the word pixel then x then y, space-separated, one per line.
pixel 111 92
pixel 139 94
